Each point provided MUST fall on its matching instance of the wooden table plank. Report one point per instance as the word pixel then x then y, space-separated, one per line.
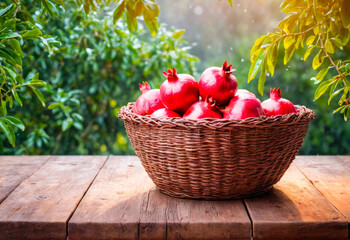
pixel 153 216
pixel 15 169
pixel 295 209
pixel 41 205
pixel 123 203
pixel 345 159
pixel 111 208
pixel 192 219
pixel 331 176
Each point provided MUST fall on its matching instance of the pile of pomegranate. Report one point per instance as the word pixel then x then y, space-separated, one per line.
pixel 216 95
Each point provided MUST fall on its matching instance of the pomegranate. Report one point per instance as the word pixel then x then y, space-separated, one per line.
pixel 165 113
pixel 219 83
pixel 243 91
pixel 203 109
pixel 243 106
pixel 179 91
pixel 276 105
pixel 148 102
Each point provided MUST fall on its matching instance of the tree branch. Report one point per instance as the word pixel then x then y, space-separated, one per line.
pixel 330 59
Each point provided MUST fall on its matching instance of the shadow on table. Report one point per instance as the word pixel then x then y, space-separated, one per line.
pixel 272 206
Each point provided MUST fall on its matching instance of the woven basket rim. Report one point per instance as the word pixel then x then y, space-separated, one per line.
pixel 126 114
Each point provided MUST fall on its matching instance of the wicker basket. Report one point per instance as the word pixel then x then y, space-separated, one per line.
pixel 216 159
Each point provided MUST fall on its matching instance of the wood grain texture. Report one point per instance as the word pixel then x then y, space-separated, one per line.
pixel 295 209
pixel 15 169
pixel 191 219
pixel 40 207
pixel 331 176
pixel 153 216
pixel 112 207
pixel 123 203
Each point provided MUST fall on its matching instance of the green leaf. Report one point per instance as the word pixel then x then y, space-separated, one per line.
pixel 9 100
pixel 78 116
pixel 328 46
pixel 318 60
pixel 341 107
pixel 36 83
pixel 10 35
pixel 3 107
pixel 10 59
pixel 288 55
pixel 230 2
pixel 118 12
pixel 256 46
pixel 321 74
pixel 66 124
pixel 262 79
pixel 50 8
pixel 131 21
pixel 334 28
pixel 16 46
pixel 178 33
pixel 316 30
pixel 271 58
pixel 46 44
pixel 289 23
pixel 32 33
pixel 288 41
pixel 15 56
pixel 338 42
pixel 9 132
pixel 334 94
pixel 345 36
pixel 39 95
pixel 299 41
pixel 322 88
pixel 344 13
pixel 254 68
pixel 4 10
pixel 14 121
pixel 308 52
pixel 10 74
pixel 150 20
pixel 284 3
pixel 10 24
pixel 26 16
pixel 55 105
pixel 310 40
pixel 15 95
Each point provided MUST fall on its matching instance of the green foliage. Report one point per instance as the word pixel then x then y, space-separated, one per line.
pixel 95 72
pixel 17 28
pixel 130 9
pixel 324 27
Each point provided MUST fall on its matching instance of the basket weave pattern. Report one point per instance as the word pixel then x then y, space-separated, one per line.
pixel 216 159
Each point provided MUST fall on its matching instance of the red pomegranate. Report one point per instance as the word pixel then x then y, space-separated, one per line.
pixel 203 109
pixel 148 102
pixel 243 106
pixel 276 105
pixel 179 91
pixel 244 91
pixel 165 113
pixel 219 83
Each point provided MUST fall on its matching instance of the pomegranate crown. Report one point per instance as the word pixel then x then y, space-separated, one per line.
pixel 144 87
pixel 228 69
pixel 275 94
pixel 171 75
pixel 210 103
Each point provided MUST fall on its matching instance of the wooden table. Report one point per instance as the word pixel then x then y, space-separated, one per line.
pixel 111 197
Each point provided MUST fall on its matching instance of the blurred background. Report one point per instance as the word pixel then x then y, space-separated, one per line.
pixel 98 67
